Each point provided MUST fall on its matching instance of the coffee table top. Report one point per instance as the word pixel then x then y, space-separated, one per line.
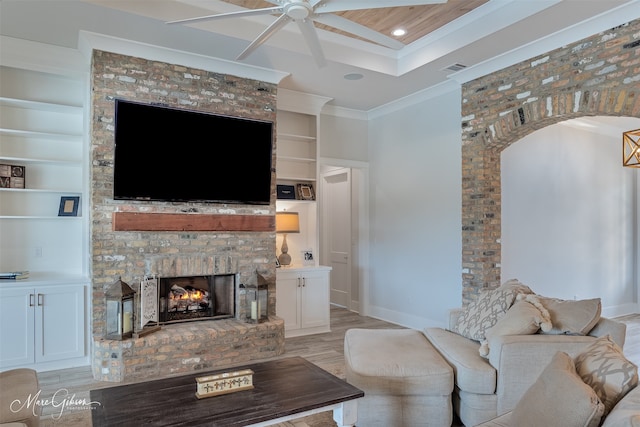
pixel 282 388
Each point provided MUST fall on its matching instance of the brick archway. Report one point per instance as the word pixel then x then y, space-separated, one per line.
pixel 599 75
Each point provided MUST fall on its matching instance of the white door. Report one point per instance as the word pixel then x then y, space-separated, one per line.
pixel 336 200
pixel 60 323
pixel 16 327
pixel 288 288
pixel 313 304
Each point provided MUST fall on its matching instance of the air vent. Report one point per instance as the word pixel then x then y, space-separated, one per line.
pixel 455 67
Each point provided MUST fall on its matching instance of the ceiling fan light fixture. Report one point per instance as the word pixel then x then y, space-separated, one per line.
pixel 298 10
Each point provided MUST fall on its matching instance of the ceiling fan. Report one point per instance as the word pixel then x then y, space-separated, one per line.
pixel 305 12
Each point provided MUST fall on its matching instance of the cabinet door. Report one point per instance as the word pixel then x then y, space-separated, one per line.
pixel 16 327
pixel 287 299
pixel 315 299
pixel 59 323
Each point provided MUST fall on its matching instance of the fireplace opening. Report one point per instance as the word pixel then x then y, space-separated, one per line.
pixel 183 299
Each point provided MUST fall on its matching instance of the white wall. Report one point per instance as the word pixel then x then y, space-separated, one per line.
pixel 569 217
pixel 415 212
pixel 343 138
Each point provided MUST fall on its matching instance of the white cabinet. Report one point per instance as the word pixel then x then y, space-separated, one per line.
pixel 302 300
pixel 41 324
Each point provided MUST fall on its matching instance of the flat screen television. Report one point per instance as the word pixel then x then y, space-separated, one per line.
pixel 171 154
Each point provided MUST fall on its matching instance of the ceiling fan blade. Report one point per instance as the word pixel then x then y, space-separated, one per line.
pixel 351 27
pixel 238 14
pixel 308 30
pixel 343 5
pixel 268 32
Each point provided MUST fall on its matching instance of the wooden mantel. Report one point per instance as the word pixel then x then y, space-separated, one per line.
pixel 144 221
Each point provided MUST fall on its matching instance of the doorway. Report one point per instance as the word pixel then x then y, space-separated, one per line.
pixel 337 217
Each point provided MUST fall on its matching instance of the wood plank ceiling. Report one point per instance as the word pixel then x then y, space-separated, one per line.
pixel 418 21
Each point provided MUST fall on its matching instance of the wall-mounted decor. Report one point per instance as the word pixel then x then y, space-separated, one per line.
pixel 631 148
pixel 305 192
pixel 286 192
pixel 69 206
pixel 12 176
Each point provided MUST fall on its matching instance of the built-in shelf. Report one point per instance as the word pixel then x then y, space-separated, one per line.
pixel 33 160
pixel 42 135
pixel 42 190
pixel 61 218
pixel 42 106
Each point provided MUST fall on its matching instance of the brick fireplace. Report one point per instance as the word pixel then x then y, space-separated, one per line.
pixel 174 252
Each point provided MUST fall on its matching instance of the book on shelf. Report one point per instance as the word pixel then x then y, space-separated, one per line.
pixel 14 275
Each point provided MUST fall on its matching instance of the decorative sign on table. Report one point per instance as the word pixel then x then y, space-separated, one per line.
pixel 228 382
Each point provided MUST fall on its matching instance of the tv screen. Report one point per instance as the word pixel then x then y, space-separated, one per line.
pixel 169 154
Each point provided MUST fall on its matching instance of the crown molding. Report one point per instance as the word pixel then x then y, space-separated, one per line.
pixel 89 41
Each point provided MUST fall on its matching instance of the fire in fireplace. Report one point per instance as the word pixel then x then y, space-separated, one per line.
pixel 190 298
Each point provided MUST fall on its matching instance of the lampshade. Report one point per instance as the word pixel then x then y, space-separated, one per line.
pixel 631 148
pixel 287 222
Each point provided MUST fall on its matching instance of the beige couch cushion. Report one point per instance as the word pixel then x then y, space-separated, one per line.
pixel 395 362
pixel 627 412
pixel 572 317
pixel 484 312
pixel 472 373
pixel 602 366
pixel 558 398
pixel 19 384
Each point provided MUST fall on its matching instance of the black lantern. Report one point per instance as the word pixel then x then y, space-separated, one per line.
pixel 257 300
pixel 119 298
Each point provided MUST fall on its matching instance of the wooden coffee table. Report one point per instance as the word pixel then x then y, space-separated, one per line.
pixel 283 390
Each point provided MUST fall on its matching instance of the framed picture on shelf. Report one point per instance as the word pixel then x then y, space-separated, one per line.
pixel 305 192
pixel 69 206
pixel 285 192
pixel 307 257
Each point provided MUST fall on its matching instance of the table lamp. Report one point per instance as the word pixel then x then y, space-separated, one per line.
pixel 286 222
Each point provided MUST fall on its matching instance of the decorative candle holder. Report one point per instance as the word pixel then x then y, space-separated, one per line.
pixel 119 316
pixel 256 300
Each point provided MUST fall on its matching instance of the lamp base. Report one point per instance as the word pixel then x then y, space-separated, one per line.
pixel 284 259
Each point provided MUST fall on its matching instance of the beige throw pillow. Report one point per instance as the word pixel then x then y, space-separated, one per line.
pixel 572 317
pixel 525 317
pixel 558 398
pixel 485 312
pixel 604 368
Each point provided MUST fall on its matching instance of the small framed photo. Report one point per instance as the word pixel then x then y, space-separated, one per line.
pixel 305 192
pixel 307 257
pixel 285 192
pixel 69 206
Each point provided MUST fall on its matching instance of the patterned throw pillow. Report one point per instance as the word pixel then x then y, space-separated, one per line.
pixel 604 368
pixel 485 312
pixel 527 316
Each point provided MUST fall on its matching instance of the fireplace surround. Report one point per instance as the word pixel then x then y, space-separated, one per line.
pixel 238 239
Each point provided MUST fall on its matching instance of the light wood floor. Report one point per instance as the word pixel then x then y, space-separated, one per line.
pixel 324 350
